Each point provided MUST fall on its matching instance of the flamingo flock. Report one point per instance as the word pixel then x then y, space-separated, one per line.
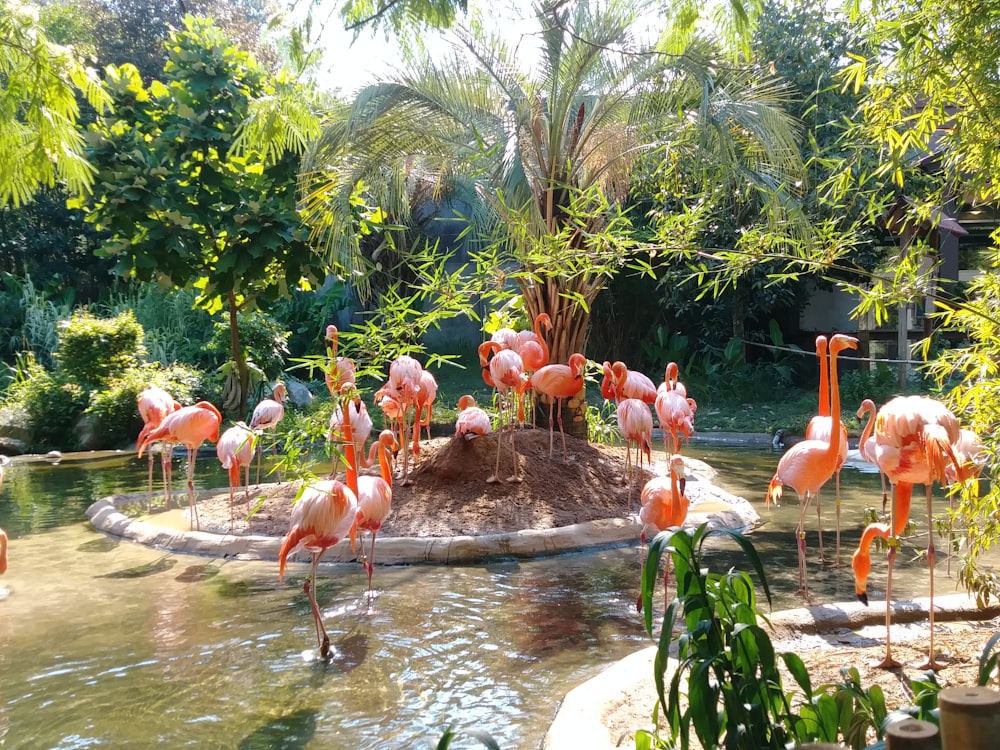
pixel 912 440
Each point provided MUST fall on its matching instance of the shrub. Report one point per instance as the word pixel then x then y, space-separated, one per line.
pixel 94 350
pixel 264 341
pixel 52 402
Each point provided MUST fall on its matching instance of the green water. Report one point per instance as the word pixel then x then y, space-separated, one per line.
pixel 106 643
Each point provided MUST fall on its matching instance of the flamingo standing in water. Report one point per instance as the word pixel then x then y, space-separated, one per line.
pixel 154 404
pixel 504 370
pixel 472 421
pixel 674 410
pixel 190 426
pixel 559 382
pixel 808 465
pixel 664 506
pixel 266 416
pixel 375 498
pixel 914 438
pixel 235 450
pixel 866 443
pixel 819 429
pixel 339 370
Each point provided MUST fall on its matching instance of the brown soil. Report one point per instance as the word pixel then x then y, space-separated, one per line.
pixel 449 496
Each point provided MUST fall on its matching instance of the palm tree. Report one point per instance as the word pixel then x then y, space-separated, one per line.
pixel 543 159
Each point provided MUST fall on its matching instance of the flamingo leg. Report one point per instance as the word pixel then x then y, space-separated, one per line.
pixel 192 454
pixel 322 638
pixel 515 477
pixel 801 545
pixel 887 661
pixel 167 467
pixel 931 662
pixel 836 502
pixel 819 524
pixel 149 479
pixel 552 404
pixel 370 565
pixel 561 433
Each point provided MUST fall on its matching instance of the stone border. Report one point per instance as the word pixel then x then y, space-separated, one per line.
pixel 609 533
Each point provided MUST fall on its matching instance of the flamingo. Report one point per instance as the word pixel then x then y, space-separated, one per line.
pixel 427 389
pixel 235 450
pixel 324 513
pixel 676 419
pixel 632 384
pixel 339 370
pixel 507 338
pixel 819 428
pixel 808 465
pixel 472 421
pixel 404 384
pixel 533 349
pixel 375 498
pixel 361 429
pixel 663 506
pixel 914 436
pixel 866 443
pixel 635 422
pixel 505 370
pixel 3 549
pixel 266 416
pixel 154 404
pixel 559 382
pixel 671 382
pixel 190 426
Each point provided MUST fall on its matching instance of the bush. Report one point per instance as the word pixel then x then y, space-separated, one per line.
pixel 94 350
pixel 264 341
pixel 53 404
pixel 879 385
pixel 116 420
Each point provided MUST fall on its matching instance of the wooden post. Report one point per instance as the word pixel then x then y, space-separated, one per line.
pixel 970 718
pixel 912 734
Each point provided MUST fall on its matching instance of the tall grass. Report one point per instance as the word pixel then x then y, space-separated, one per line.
pixel 42 315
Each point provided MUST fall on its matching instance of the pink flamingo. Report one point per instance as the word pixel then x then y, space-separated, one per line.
pixel 154 404
pixel 663 506
pixel 533 349
pixel 190 426
pixel 808 465
pixel 505 370
pixel 674 411
pixel 472 421
pixel 3 552
pixel 507 338
pixel 866 443
pixel 914 436
pixel 971 453
pixel 635 423
pixel 361 428
pixel 628 383
pixel 235 450
pixel 339 370
pixel 266 416
pixel 559 382
pixel 404 384
pixel 427 390
pixel 819 429
pixel 375 498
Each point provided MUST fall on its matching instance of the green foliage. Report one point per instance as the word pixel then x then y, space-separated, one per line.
pixel 879 385
pixel 39 141
pixel 94 350
pixel 115 418
pixel 52 402
pixel 263 339
pixel 35 318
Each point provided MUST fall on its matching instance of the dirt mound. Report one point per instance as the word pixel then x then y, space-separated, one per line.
pixel 450 496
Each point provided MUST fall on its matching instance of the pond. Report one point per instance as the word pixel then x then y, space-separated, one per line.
pixel 107 643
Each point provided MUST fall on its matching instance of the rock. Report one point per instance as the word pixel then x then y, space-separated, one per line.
pixel 298 393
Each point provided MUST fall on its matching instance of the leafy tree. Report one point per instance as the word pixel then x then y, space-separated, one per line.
pixel 181 204
pixel 40 144
pixel 542 162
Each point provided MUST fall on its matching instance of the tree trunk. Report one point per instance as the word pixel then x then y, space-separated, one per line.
pixel 570 326
pixel 241 363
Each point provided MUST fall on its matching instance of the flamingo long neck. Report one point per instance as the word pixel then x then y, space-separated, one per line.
pixel 833 450
pixel 867 407
pixel 383 463
pixel 541 339
pixel 824 378
pixel 350 451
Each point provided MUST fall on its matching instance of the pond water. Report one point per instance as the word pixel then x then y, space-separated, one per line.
pixel 107 643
